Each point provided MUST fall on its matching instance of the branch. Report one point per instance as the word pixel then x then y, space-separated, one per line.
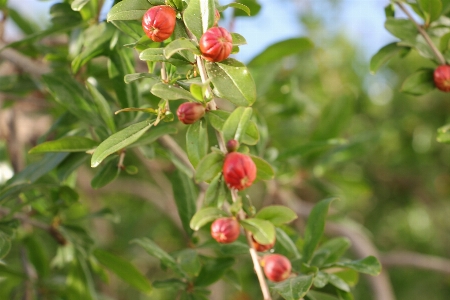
pixel 425 35
pixel 416 260
pixel 23 62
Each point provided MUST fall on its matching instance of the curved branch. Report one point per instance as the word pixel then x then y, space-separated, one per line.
pixel 416 260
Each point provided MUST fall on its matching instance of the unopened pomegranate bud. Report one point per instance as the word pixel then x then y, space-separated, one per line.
pixel 276 267
pixel 216 44
pixel 239 170
pixel 225 230
pixel 442 78
pixel 232 145
pixel 190 112
pixel 159 22
pixel 260 247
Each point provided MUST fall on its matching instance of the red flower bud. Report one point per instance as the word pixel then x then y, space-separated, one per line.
pixel 225 230
pixel 239 170
pixel 159 22
pixel 190 112
pixel 442 78
pixel 216 44
pixel 232 145
pixel 260 247
pixel 276 267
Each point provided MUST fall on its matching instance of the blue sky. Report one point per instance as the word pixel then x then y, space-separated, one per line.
pixel 361 20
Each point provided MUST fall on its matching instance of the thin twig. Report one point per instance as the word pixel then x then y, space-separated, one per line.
pixel 425 35
pixel 23 62
pixel 416 260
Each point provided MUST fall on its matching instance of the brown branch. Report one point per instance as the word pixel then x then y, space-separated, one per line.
pixel 416 260
pixel 425 35
pixel 23 62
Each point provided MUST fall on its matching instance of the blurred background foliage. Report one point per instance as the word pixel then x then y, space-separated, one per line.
pixel 329 128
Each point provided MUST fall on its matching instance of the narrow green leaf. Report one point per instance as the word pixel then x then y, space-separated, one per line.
pixel 128 10
pixel 171 92
pixel 253 6
pixel 77 5
pixel 263 231
pixel 185 194
pixel 403 29
pixel 102 106
pixel 189 262
pixel 123 269
pixel 217 119
pixel 155 251
pixel 179 45
pixel 419 83
pixel 213 270
pixel 5 245
pixel 37 254
pixel 238 39
pixel 293 288
pixel 385 54
pixel 338 282
pixel 331 251
pixel 154 134
pixel 315 227
pixel 276 214
pixel 369 265
pixel 232 81
pixel 264 169
pixel 237 123
pixel 216 192
pixel 315 295
pixel 209 167
pixel 105 174
pixel 197 141
pixel 431 9
pixel 23 22
pixel 278 51
pixel 119 140
pixel 236 5
pixel 136 76
pixel 286 244
pixel 206 215
pixel 199 16
pixel 65 144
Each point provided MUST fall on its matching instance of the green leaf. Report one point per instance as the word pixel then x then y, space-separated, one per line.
pixel 65 144
pixel 199 16
pixel 286 244
pixel 206 215
pixel 253 6
pixel 419 83
pixel 179 45
pixel 338 282
pixel 157 54
pixel 403 29
pixel 136 76
pixel 37 254
pixel 236 5
pixel 385 54
pixel 197 141
pixel 128 10
pixel 331 251
pixel 264 169
pixel 124 270
pixel 314 295
pixel 276 214
pixel 106 173
pixel 5 244
pixel 185 194
pixel 217 119
pixel 23 22
pixel 171 92
pixel 189 262
pixel 77 5
pixel 61 14
pixel 443 134
pixel 217 192
pixel 315 227
pixel 232 81
pixel 369 265
pixel 213 270
pixel 154 134
pixel 102 106
pixel 70 164
pixel 72 96
pixel 237 123
pixel 263 231
pixel 293 288
pixel 209 166
pixel 238 39
pixel 119 140
pixel 431 9
pixel 278 51
pixel 154 250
